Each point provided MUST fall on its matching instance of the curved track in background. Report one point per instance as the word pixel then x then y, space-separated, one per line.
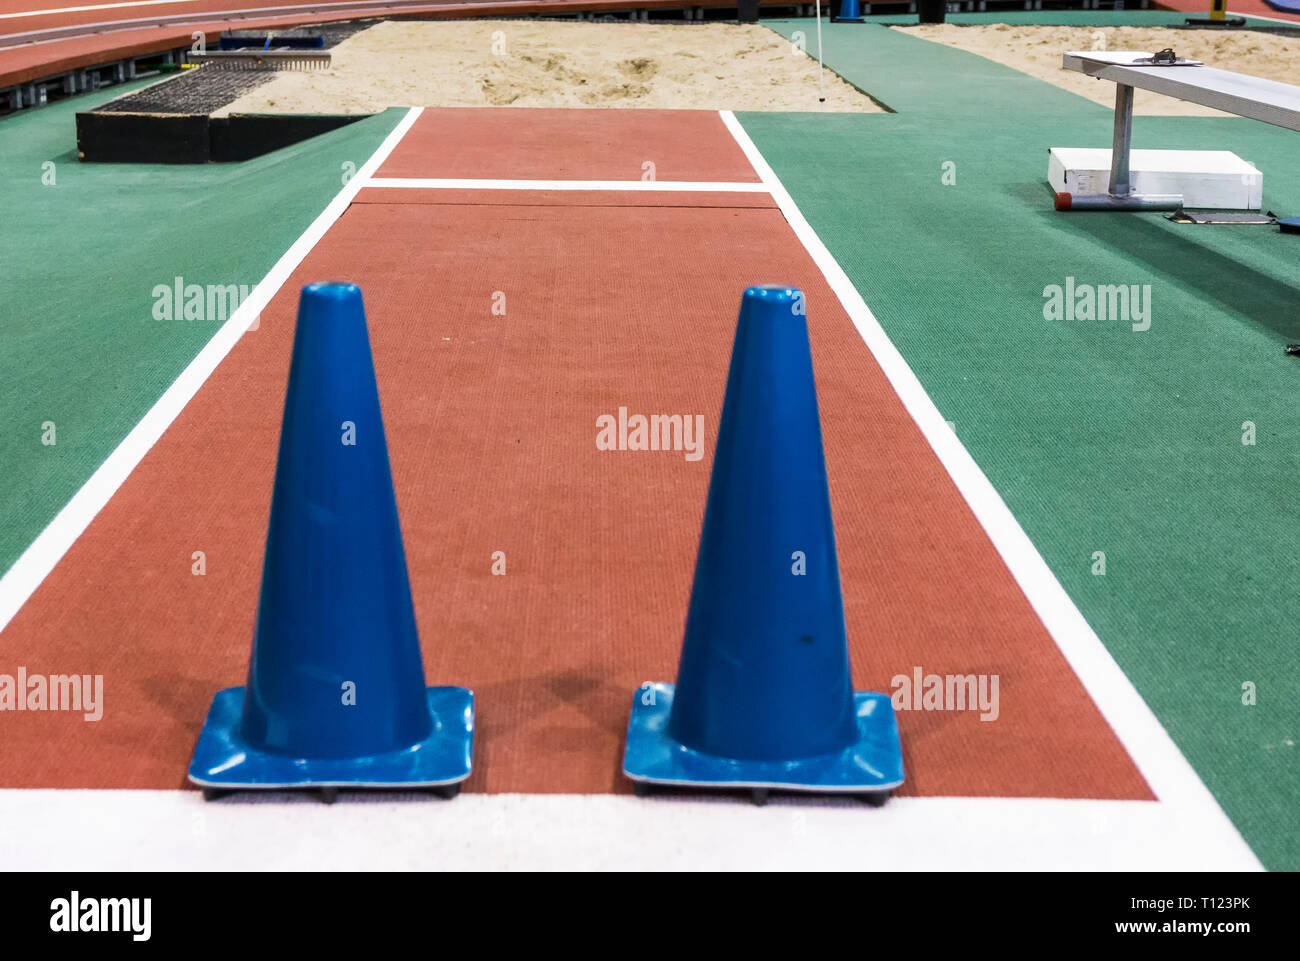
pixel 43 38
pixel 1238 8
pixel 52 19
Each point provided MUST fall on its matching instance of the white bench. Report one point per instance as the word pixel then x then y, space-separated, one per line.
pixel 1246 96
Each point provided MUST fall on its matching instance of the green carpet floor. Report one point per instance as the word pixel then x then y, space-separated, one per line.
pixel 1099 437
pixel 82 257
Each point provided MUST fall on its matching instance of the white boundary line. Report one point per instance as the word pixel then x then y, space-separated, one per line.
pixel 136 830
pixel 35 563
pixel 1169 774
pixel 684 186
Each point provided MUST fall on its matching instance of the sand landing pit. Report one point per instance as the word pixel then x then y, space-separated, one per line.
pixel 1036 50
pixel 548 63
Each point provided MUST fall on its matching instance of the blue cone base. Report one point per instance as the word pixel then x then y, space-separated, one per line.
pixel 873 764
pixel 223 760
pixel 847 20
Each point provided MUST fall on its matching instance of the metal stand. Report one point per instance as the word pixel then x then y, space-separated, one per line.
pixel 1121 141
pixel 1120 195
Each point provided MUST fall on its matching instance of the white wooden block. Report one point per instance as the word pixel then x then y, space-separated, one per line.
pixel 1207 179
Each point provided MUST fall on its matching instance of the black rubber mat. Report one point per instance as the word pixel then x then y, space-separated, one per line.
pixel 199 91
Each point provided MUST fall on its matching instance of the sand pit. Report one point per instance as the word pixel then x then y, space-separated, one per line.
pixel 1037 52
pixel 538 63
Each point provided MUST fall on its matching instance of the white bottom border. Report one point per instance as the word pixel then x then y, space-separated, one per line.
pixel 92 830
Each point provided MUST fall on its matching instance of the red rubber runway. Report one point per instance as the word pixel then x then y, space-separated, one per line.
pixel 491 423
pixel 548 144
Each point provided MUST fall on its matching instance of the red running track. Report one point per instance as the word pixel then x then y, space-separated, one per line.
pixel 1239 8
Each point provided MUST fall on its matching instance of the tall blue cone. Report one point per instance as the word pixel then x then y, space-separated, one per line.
pixel 336 692
pixel 850 12
pixel 756 632
pixel 764 695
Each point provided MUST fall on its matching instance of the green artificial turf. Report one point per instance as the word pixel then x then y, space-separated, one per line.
pixel 1098 437
pixel 82 256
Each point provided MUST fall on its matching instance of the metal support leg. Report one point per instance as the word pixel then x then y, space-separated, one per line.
pixel 1120 195
pixel 1119 152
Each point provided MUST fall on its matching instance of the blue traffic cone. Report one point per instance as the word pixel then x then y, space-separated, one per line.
pixel 336 694
pixel 764 697
pixel 850 12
